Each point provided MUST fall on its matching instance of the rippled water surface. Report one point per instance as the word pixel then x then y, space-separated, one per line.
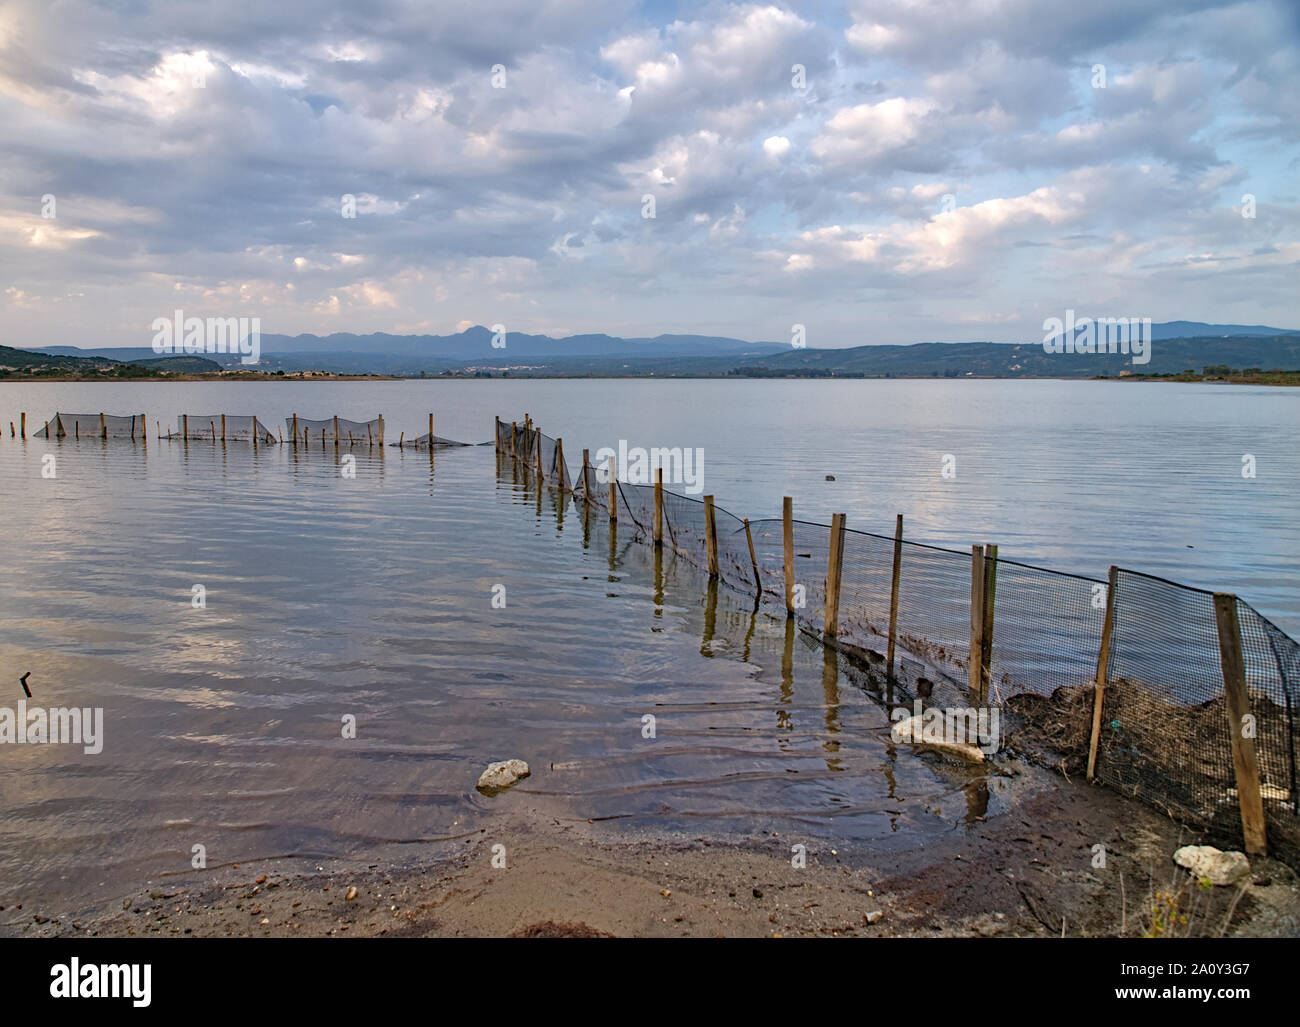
pixel 371 597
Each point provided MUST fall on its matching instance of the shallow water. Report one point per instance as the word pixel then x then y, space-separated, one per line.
pixel 371 597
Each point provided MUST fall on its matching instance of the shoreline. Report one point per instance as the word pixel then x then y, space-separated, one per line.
pixel 1029 871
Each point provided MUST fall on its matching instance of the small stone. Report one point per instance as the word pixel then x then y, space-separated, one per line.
pixel 1220 868
pixel 758 893
pixel 874 917
pixel 665 892
pixel 351 894
pixel 830 477
pixel 502 775
pixel 261 880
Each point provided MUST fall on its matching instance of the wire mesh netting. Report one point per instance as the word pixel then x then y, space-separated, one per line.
pixel 1165 736
pixel 336 429
pixel 422 442
pixel 222 428
pixel 1046 630
pixel 94 426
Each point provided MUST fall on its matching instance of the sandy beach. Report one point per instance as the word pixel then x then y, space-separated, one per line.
pixel 1028 872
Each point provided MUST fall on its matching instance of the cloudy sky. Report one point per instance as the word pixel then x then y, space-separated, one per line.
pixel 930 170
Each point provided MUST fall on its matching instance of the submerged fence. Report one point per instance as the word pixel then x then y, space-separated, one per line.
pixel 338 431
pixel 1182 698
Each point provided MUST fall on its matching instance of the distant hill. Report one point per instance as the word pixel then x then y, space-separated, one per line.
pixel 1168 356
pixel 33 360
pixel 382 352
pixel 1177 346
pixel 27 363
pixel 1200 330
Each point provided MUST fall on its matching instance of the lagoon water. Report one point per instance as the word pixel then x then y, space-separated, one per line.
pixel 329 597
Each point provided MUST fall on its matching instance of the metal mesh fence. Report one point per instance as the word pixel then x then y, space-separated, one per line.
pixel 1046 630
pixel 336 429
pixel 1164 732
pixel 222 428
pixel 94 426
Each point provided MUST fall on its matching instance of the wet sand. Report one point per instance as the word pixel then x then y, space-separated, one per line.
pixel 1027 872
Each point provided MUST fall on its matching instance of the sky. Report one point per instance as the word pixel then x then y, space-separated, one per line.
pixel 881 171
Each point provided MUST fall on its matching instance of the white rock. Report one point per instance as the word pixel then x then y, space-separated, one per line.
pixel 914 730
pixel 875 916
pixel 1207 861
pixel 502 775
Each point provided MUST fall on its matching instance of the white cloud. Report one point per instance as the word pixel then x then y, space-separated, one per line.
pixel 776 146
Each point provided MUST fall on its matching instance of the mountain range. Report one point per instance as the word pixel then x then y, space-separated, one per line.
pixel 1177 346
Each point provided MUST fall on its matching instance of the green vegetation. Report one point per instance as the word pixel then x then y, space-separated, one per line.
pixel 1228 375
pixel 21 364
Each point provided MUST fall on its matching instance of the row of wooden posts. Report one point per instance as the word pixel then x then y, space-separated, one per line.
pixel 21 431
pixel 103 428
pixel 983 587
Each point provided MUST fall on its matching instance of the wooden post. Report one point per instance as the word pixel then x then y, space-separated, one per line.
pixel 514 438
pixel 893 597
pixel 659 506
pixel 537 442
pixel 185 426
pixel 976 655
pixel 1245 762
pixel 103 426
pixel 986 640
pixel 22 424
pixel 223 427
pixel 834 569
pixel 401 439
pixel 586 477
pixel 496 436
pixel 613 487
pixel 753 559
pixel 1103 667
pixel 787 537
pixel 559 464
pixel 710 536
pixel 295 430
pixel 336 431
pixel 381 429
